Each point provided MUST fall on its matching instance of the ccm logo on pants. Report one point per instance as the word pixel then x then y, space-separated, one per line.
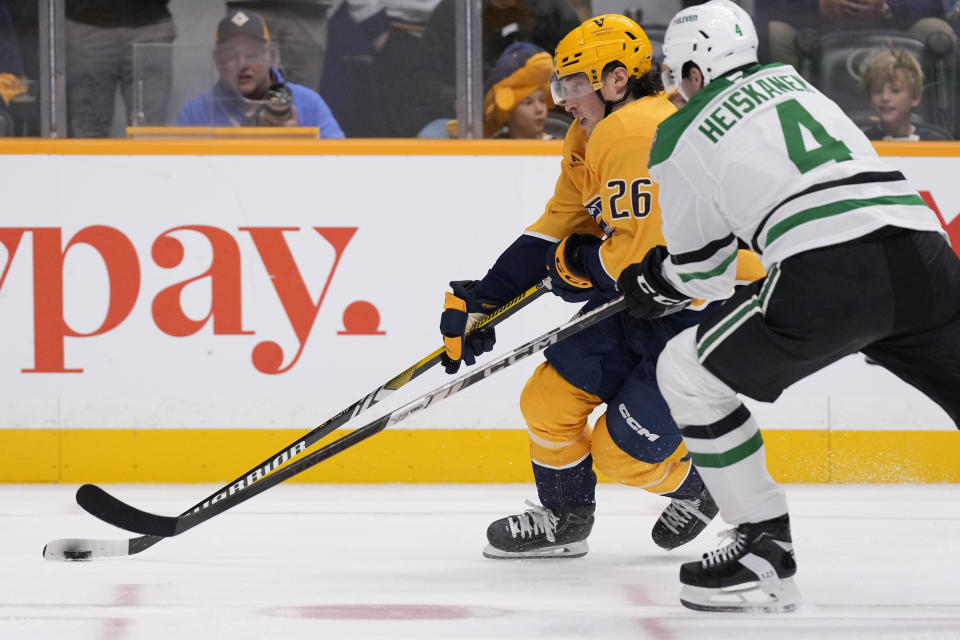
pixel 636 426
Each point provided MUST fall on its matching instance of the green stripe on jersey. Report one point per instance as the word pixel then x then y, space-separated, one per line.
pixel 749 306
pixel 730 457
pixel 836 208
pixel 768 284
pixel 706 275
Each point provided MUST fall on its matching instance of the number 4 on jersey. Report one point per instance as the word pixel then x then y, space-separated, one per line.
pixel 792 117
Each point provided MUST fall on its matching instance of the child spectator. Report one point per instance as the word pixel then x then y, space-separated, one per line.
pixel 518 93
pixel 431 90
pixel 517 98
pixel 893 80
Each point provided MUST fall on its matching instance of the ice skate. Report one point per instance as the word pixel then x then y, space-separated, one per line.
pixel 541 533
pixel 683 520
pixel 753 573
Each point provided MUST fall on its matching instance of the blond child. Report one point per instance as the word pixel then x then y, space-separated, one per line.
pixel 893 81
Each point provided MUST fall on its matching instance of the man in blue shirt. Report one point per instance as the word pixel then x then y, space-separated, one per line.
pixel 251 92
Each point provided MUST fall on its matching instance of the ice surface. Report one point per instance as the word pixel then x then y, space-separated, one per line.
pixel 403 561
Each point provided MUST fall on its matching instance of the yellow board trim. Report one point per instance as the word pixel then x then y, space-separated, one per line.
pixel 271 147
pixel 250 141
pixel 918 149
pixel 257 133
pixel 435 455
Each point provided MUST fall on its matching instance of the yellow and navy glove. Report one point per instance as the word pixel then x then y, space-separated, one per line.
pixel 647 292
pixel 462 310
pixel 566 267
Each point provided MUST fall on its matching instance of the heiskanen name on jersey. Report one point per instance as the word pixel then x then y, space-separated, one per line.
pixel 829 187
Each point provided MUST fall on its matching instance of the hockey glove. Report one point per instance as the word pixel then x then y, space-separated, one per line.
pixel 462 310
pixel 647 292
pixel 566 268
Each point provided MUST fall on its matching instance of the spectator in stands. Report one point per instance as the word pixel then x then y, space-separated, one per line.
pixel 893 79
pixel 359 67
pixel 303 29
pixel 299 30
pixel 12 81
pixel 20 41
pixel 251 91
pixel 517 97
pixel 918 17
pixel 951 9
pixel 100 36
pixel 11 66
pixel 432 89
pixel 951 12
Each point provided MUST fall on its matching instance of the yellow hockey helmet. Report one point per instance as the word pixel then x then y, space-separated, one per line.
pixel 596 43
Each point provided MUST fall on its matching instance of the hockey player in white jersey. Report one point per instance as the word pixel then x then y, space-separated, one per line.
pixel 856 261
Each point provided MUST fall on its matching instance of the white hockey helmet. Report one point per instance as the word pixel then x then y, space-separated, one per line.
pixel 717 36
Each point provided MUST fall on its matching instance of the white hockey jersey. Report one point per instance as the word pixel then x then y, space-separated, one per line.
pixel 764 157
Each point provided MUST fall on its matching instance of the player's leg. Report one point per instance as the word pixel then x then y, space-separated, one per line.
pixel 556 403
pixel 637 443
pixel 727 447
pixel 924 349
pixel 811 310
pixel 929 361
pixel 556 413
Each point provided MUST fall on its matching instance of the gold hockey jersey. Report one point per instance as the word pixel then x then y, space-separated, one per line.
pixel 605 189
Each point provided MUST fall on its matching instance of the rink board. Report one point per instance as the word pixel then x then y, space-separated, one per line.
pixel 434 455
pixel 174 311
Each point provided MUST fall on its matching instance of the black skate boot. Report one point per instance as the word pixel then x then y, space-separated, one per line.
pixel 541 533
pixel 754 573
pixel 683 520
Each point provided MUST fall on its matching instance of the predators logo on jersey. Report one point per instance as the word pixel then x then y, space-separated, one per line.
pixel 595 209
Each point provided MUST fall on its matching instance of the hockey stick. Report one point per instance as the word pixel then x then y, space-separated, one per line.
pixel 101 504
pixel 87 549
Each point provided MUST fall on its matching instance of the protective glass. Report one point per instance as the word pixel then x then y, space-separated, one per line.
pixel 242 55
pixel 570 87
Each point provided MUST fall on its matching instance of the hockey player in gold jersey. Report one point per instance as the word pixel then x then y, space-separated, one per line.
pixel 603 216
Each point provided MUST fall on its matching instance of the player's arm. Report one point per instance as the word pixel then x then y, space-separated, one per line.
pixel 523 263
pixel 700 259
pixel 620 195
pixel 519 267
pixel 565 227
pixel 703 249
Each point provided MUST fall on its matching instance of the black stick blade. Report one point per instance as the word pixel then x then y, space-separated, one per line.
pixel 101 504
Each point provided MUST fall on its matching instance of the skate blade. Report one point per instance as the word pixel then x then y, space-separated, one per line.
pixel 779 596
pixel 572 550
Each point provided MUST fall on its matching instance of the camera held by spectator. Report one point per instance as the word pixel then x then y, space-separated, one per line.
pixel 277 108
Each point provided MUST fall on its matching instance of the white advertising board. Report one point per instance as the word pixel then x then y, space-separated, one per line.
pixel 272 291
